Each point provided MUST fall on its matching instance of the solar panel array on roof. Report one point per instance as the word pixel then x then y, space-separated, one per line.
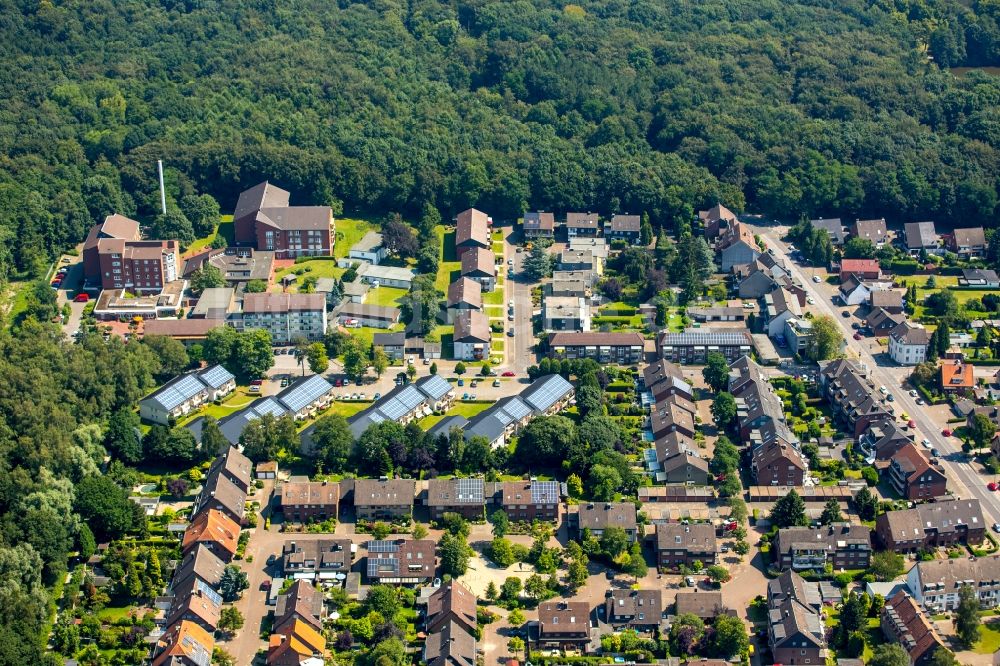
pixel 470 490
pixel 401 404
pixel 196 651
pixel 377 566
pixel 544 492
pixel 546 391
pixel 720 338
pixel 208 592
pixel 435 386
pixel 267 406
pixel 517 408
pixel 382 546
pixel 179 390
pixel 304 393
pixel 216 376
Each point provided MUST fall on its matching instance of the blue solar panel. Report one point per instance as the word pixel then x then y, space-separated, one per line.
pixel 469 490
pixel 517 408
pixel 381 566
pixel 179 390
pixel 206 591
pixel 544 492
pixel 546 391
pixel 382 546
pixel 216 376
pixel 304 393
pixel 268 406
pixel 434 386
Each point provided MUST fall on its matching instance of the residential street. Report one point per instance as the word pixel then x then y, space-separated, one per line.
pixel 963 479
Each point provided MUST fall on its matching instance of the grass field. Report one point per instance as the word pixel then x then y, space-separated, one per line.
pixel 349 232
pixel 318 268
pixel 989 638
pixel 921 280
pixel 494 297
pixel 449 267
pixel 239 399
pixel 347 409
pixel 466 409
pixel 225 228
pixel 387 296
pixel 366 333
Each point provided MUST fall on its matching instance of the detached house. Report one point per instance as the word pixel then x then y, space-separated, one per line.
pixel 582 224
pixel 865 269
pixel 967 243
pixel 777 308
pixel 641 610
pixel 539 225
pixel 921 237
pixel 908 344
pixel 624 227
pixel 957 376
pixel 737 246
pixel 834 228
pixel 716 220
pixel 872 230
pixel 401 562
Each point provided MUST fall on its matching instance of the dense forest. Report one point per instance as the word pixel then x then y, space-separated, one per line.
pixel 818 107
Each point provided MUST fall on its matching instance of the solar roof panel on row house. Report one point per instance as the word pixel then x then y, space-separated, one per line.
pixel 304 393
pixel 179 390
pixel 379 566
pixel 544 492
pixel 546 391
pixel 435 386
pixel 216 376
pixel 382 546
pixel 267 406
pixel 470 490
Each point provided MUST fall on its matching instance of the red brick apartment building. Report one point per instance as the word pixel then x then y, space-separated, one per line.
pixel 264 220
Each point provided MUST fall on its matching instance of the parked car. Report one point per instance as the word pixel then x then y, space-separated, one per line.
pixel 926 443
pixel 816 278
pixel 911 423
pixel 934 452
pixel 81 298
pixel 376 396
pixel 946 432
pixel 996 527
pixel 496 383
pixel 510 332
pixel 461 382
pixel 857 336
pixel 913 394
pixel 473 384
pixel 845 314
pixel 920 401
pixel 507 373
pixel 465 396
pixel 992 486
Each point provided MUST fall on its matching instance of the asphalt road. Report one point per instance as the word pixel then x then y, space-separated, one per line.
pixel 519 352
pixel 963 479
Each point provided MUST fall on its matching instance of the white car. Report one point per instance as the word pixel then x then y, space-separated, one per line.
pixel 816 279
pixel 810 300
pixel 913 394
pixel 926 443
pixel 920 401
pixel 883 390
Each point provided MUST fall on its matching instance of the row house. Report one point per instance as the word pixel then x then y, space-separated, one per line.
pixel 472 230
pixel 674 414
pixel 777 462
pixel 465 497
pixel 852 395
pixel 451 603
pixel 225 486
pixel 287 317
pixel 914 477
pixel 720 313
pixel 933 525
pixel 405 403
pixel 795 629
pixel 679 545
pixel 639 610
pixel 736 246
pixel 880 321
pixel 450 646
pixel 702 604
pixel 298 644
pixel 678 460
pixel 213 530
pixel 545 396
pixel 194 601
pixel 305 501
pixel 890 300
pixel 186 393
pixel 580 259
pixel 566 313
pixel 184 644
pixel 842 545
pixel 564 625
pixel 383 498
pixel 393 344
pixel 479 264
pixel 663 379
pixel 302 602
pixel 472 337
pixel 763 275
pixel 935 584
pixel 319 559
pixel 605 347
pixel 527 501
pixel 596 517
pixel 716 220
pixel 693 346
pixel 903 622
pixel 464 295
pixel 883 440
pixel 582 225
pixel 264 220
pixel 401 562
pixel 856 289
pixel 201 563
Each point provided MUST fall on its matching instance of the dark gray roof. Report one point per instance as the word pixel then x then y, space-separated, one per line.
pixel 546 391
pixel 920 235
pixel 444 426
pixel 397 339
pixel 491 422
pixel 186 386
pixel 834 227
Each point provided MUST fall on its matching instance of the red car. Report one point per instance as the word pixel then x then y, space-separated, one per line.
pixel 946 432
pixel 81 298
pixel 857 336
pixel 912 423
pixel 991 485
pixel 508 373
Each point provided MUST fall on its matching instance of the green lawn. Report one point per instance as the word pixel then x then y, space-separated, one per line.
pixel 225 228
pixel 387 296
pixel 494 297
pixel 318 268
pixel 347 409
pixel 366 333
pixel 989 640
pixel 349 232
pixel 466 409
pixel 449 267
pixel 921 280
pixel 239 399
